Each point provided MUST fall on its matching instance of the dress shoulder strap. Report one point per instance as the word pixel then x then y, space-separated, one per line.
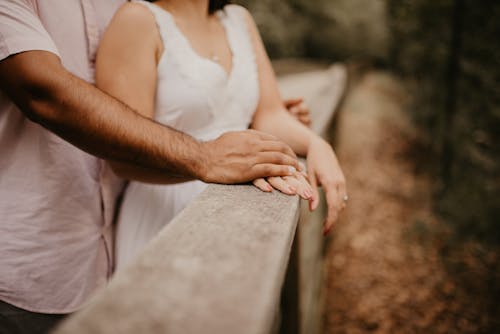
pixel 234 17
pixel 164 21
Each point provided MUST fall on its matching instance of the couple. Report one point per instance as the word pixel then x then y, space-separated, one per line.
pixel 198 68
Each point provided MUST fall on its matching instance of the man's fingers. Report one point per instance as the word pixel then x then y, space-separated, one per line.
pixel 262 184
pixel 277 146
pixel 262 135
pixel 281 185
pixel 277 158
pixel 269 170
pixel 271 143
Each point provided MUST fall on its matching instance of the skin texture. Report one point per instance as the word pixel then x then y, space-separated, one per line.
pixel 126 69
pixel 101 125
pixel 298 109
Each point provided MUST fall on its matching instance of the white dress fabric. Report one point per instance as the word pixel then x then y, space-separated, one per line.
pixel 197 96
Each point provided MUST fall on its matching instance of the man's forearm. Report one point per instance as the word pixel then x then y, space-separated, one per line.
pixel 99 124
pixel 103 126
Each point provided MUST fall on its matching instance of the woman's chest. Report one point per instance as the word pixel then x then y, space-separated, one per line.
pixel 199 96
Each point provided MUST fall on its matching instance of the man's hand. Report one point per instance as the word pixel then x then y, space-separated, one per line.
pixel 324 170
pixel 244 156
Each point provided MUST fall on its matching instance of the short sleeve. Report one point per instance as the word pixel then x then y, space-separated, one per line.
pixel 21 29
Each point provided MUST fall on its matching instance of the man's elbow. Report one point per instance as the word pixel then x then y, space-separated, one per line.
pixel 41 107
pixel 34 82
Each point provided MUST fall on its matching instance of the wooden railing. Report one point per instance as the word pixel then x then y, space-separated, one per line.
pixel 220 265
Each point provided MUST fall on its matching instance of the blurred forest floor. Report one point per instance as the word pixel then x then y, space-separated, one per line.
pixel 391 265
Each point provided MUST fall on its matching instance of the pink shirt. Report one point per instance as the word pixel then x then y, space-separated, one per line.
pixel 56 201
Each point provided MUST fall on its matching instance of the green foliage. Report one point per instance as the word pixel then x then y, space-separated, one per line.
pixel 451 52
pixel 326 29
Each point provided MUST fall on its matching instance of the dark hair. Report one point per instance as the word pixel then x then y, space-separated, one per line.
pixel 213 5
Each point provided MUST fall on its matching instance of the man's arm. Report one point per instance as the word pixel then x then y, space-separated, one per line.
pixel 101 125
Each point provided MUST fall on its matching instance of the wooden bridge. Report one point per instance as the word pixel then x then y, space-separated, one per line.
pixel 236 260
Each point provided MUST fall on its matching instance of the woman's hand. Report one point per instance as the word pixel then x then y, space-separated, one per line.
pixel 290 185
pixel 299 109
pixel 324 170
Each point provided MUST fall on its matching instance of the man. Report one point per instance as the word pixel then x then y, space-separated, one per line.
pixel 57 200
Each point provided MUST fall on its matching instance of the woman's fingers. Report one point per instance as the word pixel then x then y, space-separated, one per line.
pixel 336 198
pixel 277 158
pixel 314 186
pixel 290 185
pixel 300 187
pixel 289 103
pixel 298 109
pixel 334 202
pixel 262 185
pixel 301 112
pixel 343 194
pixel 305 119
pixel 280 184
pixel 304 189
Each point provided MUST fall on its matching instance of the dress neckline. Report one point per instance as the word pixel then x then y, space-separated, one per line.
pixel 222 17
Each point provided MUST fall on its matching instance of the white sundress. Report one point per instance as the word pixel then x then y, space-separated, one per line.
pixel 196 96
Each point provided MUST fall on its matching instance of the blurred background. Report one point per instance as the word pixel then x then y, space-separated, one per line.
pixel 417 250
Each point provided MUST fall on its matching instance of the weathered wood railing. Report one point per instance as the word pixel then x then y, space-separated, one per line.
pixel 220 265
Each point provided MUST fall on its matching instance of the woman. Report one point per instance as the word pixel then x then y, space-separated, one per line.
pixel 200 67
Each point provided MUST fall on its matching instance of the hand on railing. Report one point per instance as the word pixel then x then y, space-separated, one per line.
pixel 295 184
pixel 243 156
pixel 324 170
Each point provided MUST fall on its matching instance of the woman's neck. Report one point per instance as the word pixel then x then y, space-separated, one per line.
pixel 192 10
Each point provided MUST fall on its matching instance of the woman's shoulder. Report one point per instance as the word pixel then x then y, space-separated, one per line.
pixel 240 13
pixel 233 9
pixel 133 27
pixel 135 14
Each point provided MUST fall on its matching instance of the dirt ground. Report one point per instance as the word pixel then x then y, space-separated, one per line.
pixel 390 267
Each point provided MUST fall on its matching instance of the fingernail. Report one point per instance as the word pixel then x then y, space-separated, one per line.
pixel 292 189
pixel 269 188
pixel 291 170
pixel 302 167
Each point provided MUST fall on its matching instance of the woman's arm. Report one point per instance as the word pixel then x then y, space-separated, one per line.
pixel 126 68
pixel 272 117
